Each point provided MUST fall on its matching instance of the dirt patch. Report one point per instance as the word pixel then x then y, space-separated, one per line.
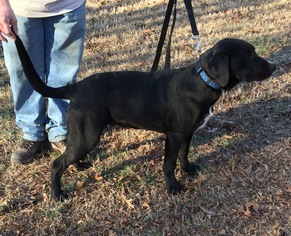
pixel 244 186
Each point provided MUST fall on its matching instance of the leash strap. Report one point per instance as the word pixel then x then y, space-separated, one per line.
pixel 163 34
pixel 195 32
pixel 168 52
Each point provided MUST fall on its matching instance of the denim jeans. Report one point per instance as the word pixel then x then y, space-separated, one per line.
pixel 55 45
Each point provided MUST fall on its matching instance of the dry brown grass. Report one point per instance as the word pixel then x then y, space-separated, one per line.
pixel 244 186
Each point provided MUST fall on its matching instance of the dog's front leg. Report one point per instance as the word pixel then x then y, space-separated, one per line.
pixel 172 146
pixel 188 167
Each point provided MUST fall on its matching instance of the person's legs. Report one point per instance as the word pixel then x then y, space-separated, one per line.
pixel 64 48
pixel 29 105
pixel 55 45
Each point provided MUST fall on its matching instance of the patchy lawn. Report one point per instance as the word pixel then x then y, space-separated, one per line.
pixel 244 186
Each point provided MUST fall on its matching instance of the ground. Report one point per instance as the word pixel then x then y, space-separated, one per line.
pixel 244 185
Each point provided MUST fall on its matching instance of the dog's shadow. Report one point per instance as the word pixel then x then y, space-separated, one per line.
pixel 258 124
pixel 101 153
pixel 246 129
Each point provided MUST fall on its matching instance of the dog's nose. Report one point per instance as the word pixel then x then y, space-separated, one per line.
pixel 273 66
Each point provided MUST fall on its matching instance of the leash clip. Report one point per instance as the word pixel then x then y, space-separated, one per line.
pixel 198 43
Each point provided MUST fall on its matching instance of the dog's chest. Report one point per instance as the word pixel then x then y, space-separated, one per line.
pixel 203 123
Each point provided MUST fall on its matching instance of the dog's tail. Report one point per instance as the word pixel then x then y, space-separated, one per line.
pixel 35 80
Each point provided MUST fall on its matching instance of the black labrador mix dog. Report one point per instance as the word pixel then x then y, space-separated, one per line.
pixel 175 102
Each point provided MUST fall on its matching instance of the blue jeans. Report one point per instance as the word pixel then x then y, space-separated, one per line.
pixel 55 45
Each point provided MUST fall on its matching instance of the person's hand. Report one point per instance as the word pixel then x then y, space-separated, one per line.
pixel 7 20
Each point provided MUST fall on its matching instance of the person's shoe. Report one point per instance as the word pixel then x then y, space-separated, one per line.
pixel 26 152
pixel 59 146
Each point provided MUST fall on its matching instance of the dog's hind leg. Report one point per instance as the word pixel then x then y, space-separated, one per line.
pixel 172 146
pixel 188 167
pixel 72 155
pixel 78 145
pixel 58 167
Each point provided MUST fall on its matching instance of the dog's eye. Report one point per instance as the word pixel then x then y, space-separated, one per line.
pixel 250 52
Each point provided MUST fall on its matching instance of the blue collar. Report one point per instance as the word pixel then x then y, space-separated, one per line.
pixel 207 79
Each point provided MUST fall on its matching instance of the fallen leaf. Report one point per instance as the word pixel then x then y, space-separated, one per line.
pixel 276 225
pixel 249 209
pixel 247 212
pixel 228 136
pixel 16 226
pixel 222 232
pixel 146 205
pixel 288 189
pixel 97 177
pixel 127 201
pixel 79 185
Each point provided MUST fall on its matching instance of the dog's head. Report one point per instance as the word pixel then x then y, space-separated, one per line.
pixel 233 60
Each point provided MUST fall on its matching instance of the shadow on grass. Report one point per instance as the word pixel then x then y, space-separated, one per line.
pixel 6 113
pixel 282 59
pixel 111 23
pixel 145 13
pixel 262 123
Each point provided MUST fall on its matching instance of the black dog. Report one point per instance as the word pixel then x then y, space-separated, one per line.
pixel 175 102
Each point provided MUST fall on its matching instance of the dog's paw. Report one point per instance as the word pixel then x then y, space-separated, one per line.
pixel 82 165
pixel 175 187
pixel 60 197
pixel 191 169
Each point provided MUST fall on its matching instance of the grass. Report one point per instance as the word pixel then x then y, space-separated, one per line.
pixel 244 185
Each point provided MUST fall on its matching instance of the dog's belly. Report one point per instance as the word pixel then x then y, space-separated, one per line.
pixel 205 120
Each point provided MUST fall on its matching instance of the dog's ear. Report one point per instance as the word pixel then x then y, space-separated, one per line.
pixel 218 65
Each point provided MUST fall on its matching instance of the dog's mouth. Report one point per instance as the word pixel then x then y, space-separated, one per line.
pixel 262 75
pixel 257 78
pixel 272 67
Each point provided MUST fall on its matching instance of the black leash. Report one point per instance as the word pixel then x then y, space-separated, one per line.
pixel 168 52
pixel 163 34
pixel 195 32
